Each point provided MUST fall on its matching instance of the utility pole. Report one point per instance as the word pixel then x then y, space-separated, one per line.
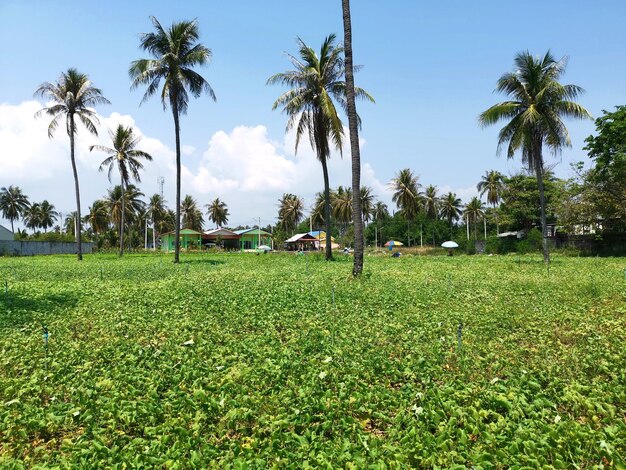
pixel 467 220
pixel 485 222
pixel 259 244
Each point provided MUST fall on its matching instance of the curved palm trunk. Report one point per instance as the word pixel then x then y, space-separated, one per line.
pixel 329 250
pixel 122 219
pixel 177 221
pixel 76 188
pixel 542 203
pixel 359 243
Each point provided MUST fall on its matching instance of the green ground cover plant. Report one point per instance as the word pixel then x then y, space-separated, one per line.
pixel 285 361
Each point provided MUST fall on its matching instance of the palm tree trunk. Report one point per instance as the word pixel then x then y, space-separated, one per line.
pixel 122 219
pixel 153 235
pixel 355 152
pixel 329 250
pixel 542 203
pixel 76 188
pixel 177 221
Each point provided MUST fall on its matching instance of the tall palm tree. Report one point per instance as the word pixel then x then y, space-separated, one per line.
pixel 450 208
pixel 317 210
pixel 13 204
pixel 355 152
pixel 341 204
pixel 32 217
pixel 98 218
pixel 72 96
pixel 474 210
pixel 380 212
pixel 127 158
pixel 406 195
pixel 191 215
pixel 533 114
pixel 131 196
pixel 47 215
pixel 290 211
pixel 156 212
pixel 70 224
pixel 218 212
pixel 431 202
pixel 176 52
pixel 367 201
pixel 492 184
pixel 316 81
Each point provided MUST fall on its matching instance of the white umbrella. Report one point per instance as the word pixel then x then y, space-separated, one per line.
pixel 449 244
pixel 264 248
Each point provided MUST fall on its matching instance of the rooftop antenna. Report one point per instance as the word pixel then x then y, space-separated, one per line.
pixel 161 182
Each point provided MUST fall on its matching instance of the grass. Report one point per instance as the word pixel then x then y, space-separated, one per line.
pixel 280 360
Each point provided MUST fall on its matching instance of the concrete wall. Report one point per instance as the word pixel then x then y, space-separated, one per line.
pixel 29 248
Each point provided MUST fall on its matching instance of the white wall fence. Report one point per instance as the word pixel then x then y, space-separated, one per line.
pixel 30 248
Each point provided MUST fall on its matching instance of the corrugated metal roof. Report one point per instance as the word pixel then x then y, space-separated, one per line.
pixel 301 237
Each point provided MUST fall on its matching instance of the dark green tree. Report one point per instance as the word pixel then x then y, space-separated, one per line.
pixel 124 156
pixel 316 82
pixel 534 115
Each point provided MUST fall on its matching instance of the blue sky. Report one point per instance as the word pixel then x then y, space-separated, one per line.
pixel 431 66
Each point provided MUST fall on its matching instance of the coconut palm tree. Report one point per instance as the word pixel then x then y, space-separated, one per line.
pixel 70 224
pixel 450 208
pixel 127 158
pixel 533 114
pixel 317 210
pixel 72 96
pixel 132 203
pixel 406 195
pixel 32 217
pixel 317 83
pixel 13 204
pixel 176 52
pixel 431 202
pixel 156 212
pixel 218 212
pixel 367 201
pixel 290 211
pixel 341 204
pixel 474 210
pixel 191 215
pixel 98 217
pixel 492 184
pixel 47 215
pixel 353 126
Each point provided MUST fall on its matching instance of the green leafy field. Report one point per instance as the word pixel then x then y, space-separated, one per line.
pixel 247 361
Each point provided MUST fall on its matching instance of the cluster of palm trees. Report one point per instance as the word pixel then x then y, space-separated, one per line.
pixel 15 205
pixel 319 85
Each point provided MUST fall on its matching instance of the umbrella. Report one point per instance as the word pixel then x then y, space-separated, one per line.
pixel 449 244
pixel 394 243
pixel 264 248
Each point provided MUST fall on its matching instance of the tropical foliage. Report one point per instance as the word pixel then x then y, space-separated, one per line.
pixel 72 98
pixel 13 204
pixel 317 83
pixel 175 51
pixel 534 115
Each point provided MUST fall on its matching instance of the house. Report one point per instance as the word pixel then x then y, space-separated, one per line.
pixel 301 242
pixel 320 235
pixel 5 234
pixel 251 238
pixel 222 237
pixel 189 239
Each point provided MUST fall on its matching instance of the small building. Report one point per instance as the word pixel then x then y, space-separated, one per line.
pixel 320 244
pixel 301 242
pixel 221 237
pixel 189 239
pixel 251 238
pixel 6 234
